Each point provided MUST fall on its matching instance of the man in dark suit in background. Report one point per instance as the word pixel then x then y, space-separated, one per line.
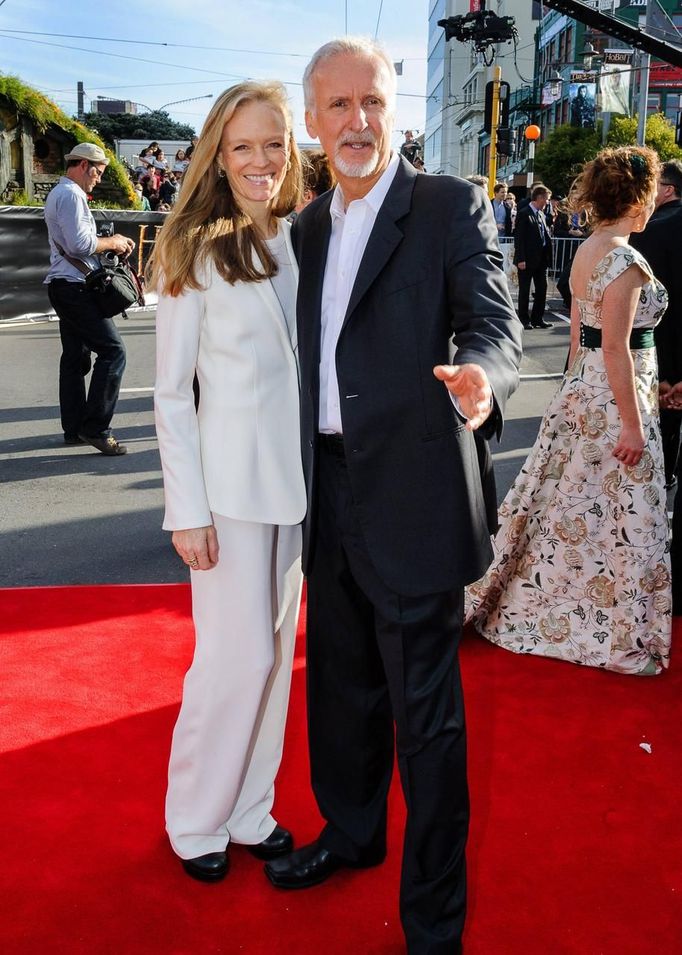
pixel 393 265
pixel 660 245
pixel 533 256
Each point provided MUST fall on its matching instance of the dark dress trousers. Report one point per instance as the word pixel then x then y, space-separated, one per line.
pixel 532 245
pixel 397 526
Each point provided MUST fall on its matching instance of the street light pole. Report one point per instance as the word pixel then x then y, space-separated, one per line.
pixel 191 99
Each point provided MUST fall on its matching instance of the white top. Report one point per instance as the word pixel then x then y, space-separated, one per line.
pixel 351 230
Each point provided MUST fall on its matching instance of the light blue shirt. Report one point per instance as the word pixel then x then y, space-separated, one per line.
pixel 70 224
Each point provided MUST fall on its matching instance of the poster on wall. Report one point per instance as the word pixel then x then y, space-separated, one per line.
pixel 581 93
pixel 614 81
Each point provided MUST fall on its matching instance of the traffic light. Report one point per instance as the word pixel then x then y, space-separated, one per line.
pixel 506 141
pixel 504 105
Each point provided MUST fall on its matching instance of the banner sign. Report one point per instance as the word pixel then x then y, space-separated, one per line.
pixel 581 93
pixel 614 81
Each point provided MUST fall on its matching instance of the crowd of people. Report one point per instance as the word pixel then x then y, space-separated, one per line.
pixel 157 178
pixel 310 421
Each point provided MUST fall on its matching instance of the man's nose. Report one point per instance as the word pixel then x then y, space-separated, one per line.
pixel 358 120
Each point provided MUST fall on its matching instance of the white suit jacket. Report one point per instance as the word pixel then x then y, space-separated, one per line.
pixel 240 456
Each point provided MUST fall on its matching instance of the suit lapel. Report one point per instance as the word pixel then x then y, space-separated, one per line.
pixel 267 292
pixel 385 236
pixel 313 263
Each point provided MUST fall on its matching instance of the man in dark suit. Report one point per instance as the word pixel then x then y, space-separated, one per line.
pixel 393 266
pixel 659 244
pixel 533 256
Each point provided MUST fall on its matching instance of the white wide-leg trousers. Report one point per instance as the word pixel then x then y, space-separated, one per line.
pixel 227 742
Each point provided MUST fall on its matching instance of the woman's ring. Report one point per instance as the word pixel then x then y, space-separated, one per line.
pixel 193 561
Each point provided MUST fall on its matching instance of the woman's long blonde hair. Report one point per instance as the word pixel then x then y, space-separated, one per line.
pixel 206 222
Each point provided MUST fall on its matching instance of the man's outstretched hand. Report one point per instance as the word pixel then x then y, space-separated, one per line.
pixel 470 386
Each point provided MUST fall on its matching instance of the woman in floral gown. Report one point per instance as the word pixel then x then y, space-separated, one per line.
pixel 581 569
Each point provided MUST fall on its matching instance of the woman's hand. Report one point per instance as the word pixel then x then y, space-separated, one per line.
pixel 630 445
pixel 198 546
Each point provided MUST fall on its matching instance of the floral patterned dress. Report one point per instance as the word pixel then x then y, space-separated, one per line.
pixel 581 569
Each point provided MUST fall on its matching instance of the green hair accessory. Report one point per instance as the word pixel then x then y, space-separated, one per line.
pixel 639 165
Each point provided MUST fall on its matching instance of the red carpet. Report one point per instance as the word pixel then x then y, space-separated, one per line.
pixel 576 845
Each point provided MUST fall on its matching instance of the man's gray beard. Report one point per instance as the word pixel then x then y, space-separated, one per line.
pixel 352 170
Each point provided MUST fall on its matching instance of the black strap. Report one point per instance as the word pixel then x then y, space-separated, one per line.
pixel 639 337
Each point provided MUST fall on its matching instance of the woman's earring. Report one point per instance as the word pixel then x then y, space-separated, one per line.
pixel 221 171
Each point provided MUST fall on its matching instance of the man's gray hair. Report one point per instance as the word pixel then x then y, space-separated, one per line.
pixel 357 45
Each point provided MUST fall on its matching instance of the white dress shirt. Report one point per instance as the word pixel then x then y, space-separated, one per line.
pixel 351 228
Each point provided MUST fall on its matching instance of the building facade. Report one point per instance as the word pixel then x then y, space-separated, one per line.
pixel 454 142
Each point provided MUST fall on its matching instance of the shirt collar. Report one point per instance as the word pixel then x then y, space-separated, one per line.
pixel 376 194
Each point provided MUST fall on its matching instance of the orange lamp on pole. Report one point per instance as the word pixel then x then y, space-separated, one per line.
pixel 532 134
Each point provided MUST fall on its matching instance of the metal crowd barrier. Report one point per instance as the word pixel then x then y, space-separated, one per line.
pixel 563 251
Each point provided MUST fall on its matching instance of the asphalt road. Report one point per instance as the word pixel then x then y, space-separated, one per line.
pixel 73 516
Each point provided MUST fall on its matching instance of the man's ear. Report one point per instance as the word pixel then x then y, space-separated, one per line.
pixel 310 124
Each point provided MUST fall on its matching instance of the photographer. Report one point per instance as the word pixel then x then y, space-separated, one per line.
pixel 73 234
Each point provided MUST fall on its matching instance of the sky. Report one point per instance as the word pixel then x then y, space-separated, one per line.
pixel 158 54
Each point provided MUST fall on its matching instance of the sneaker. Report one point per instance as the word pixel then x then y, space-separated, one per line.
pixel 108 446
pixel 70 439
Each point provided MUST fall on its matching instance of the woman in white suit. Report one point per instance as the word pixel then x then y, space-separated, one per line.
pixel 233 483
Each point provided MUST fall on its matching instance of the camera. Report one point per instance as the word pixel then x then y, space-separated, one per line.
pixel 106 230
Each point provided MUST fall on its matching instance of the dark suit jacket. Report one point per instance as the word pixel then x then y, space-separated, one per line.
pixel 431 269
pixel 528 245
pixel 660 245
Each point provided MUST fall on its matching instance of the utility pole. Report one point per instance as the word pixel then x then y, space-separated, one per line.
pixel 80 93
pixel 644 63
pixel 494 123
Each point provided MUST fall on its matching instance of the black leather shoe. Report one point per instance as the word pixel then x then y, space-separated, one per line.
pixel 527 326
pixel 542 324
pixel 108 446
pixel 280 842
pixel 209 868
pixel 309 866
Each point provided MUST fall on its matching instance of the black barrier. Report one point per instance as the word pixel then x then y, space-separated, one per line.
pixel 25 253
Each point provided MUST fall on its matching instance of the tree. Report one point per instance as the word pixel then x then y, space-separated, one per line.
pixel 659 133
pixel 148 126
pixel 560 158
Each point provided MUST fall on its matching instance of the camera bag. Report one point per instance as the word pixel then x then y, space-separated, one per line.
pixel 116 284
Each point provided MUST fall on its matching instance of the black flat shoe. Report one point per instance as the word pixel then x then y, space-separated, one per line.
pixel 542 324
pixel 209 868
pixel 310 866
pixel 280 842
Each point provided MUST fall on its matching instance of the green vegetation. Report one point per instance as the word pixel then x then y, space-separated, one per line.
pixel 43 112
pixel 560 158
pixel 659 134
pixel 148 126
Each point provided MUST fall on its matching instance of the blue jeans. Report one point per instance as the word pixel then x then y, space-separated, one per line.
pixel 83 330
